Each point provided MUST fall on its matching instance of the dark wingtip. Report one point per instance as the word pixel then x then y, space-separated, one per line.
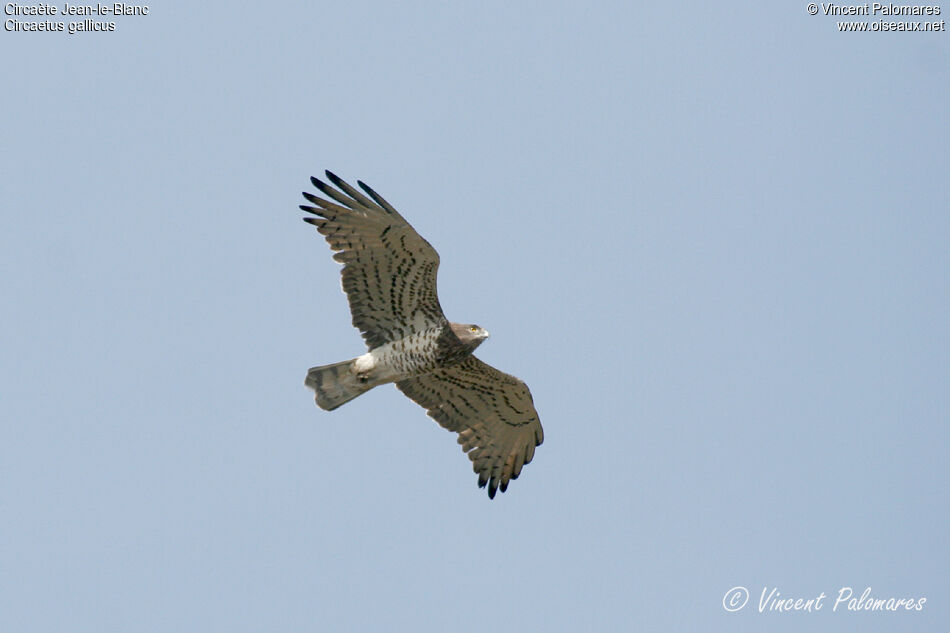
pixel 313 199
pixel 313 221
pixel 336 180
pixel 324 187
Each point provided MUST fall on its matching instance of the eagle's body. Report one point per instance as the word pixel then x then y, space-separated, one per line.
pixel 413 355
pixel 389 276
pixel 425 351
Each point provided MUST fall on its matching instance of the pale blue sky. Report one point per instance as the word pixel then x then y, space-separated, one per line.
pixel 712 238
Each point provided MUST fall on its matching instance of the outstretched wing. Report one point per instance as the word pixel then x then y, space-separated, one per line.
pixel 492 412
pixel 389 270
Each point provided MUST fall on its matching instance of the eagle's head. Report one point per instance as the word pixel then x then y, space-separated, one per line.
pixel 471 335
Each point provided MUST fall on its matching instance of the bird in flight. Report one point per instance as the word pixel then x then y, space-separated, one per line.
pixel 389 277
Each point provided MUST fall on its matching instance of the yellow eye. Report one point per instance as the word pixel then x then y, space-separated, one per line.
pixel 473 329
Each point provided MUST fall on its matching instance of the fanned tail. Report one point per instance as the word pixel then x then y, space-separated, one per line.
pixel 335 384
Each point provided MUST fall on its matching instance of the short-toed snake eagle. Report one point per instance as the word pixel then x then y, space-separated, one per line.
pixel 389 276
